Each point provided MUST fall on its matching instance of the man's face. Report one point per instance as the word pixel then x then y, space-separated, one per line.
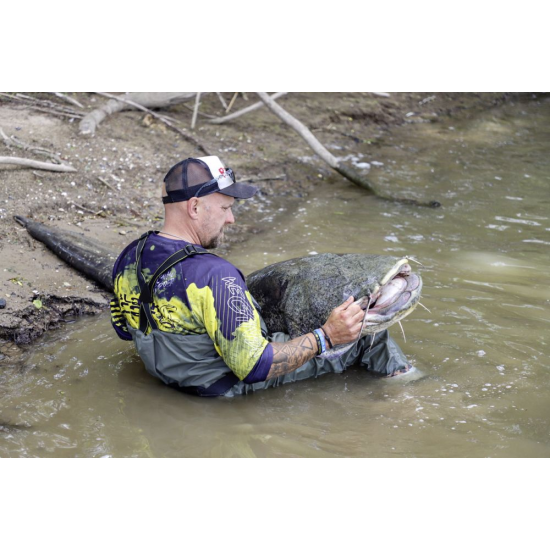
pixel 215 213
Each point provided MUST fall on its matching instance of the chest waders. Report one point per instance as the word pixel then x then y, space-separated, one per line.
pixel 177 358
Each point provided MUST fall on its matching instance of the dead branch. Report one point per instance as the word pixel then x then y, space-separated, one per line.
pixel 303 131
pixel 253 179
pixel 43 105
pixel 248 109
pixel 222 100
pixel 83 208
pixel 107 184
pixel 12 141
pixel 191 110
pixel 130 101
pixel 29 163
pixel 231 102
pixel 69 99
pixel 345 170
pixel 196 110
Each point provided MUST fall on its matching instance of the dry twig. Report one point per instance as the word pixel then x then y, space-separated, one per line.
pixel 12 141
pixel 43 105
pixel 80 207
pixel 196 110
pixel 231 102
pixel 69 99
pixel 248 109
pixel 107 184
pixel 253 179
pixel 222 100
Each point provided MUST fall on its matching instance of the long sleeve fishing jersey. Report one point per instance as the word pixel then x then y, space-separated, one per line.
pixel 203 294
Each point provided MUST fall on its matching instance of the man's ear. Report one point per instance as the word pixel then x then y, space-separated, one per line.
pixel 193 208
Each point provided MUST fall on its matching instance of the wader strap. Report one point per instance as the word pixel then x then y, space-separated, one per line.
pixel 145 297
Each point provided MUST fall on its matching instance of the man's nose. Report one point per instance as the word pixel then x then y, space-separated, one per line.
pixel 230 218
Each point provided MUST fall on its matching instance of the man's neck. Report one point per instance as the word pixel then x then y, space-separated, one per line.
pixel 173 232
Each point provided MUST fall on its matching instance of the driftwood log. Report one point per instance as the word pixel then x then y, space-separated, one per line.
pixel 29 163
pixel 149 100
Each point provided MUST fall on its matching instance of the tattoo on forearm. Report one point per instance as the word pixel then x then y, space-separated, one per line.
pixel 288 356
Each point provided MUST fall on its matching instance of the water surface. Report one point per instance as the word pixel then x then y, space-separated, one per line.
pixel 482 348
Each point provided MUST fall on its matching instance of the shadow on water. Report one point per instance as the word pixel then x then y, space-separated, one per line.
pixel 482 348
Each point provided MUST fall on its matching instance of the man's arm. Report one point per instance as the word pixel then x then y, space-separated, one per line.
pixel 342 327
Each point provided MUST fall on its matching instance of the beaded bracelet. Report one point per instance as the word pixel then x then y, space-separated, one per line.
pixel 320 340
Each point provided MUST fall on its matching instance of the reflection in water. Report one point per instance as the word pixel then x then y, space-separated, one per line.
pixel 482 347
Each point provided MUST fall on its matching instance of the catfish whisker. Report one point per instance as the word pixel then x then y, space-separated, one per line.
pixel 424 307
pixel 416 261
pixel 372 340
pixel 364 319
pixel 403 331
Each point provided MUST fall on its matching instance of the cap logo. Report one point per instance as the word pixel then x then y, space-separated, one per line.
pixel 221 171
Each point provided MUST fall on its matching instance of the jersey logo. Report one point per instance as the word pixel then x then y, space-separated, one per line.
pixel 237 301
pixel 166 280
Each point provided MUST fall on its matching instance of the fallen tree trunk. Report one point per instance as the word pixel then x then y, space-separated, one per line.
pixel 344 169
pixel 151 100
pixel 29 163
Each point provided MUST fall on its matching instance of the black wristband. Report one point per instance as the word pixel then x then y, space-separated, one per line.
pixel 327 338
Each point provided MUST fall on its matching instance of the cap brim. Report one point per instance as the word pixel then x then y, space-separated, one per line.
pixel 239 191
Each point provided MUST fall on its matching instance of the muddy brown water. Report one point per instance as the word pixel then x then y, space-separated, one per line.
pixel 482 350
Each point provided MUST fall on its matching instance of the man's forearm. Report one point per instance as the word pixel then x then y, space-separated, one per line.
pixel 288 356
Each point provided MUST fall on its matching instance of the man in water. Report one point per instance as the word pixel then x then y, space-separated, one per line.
pixel 190 314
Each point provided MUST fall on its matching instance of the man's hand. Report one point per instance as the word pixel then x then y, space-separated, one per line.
pixel 343 326
pixel 344 323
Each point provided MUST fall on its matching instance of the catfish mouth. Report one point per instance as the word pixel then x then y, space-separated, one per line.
pixel 395 298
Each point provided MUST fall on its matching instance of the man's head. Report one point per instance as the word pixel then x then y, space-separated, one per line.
pixel 198 195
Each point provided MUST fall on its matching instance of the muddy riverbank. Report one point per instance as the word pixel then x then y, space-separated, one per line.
pixel 114 194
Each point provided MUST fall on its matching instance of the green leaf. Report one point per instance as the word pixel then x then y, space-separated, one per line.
pixel 37 303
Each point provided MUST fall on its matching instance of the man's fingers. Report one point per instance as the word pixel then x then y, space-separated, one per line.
pixel 359 316
pixel 347 303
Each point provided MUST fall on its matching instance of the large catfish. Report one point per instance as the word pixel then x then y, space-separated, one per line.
pixel 297 296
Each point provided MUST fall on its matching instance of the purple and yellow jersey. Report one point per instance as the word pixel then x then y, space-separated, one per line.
pixel 201 294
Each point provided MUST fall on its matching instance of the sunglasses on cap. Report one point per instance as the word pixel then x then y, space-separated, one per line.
pixel 223 181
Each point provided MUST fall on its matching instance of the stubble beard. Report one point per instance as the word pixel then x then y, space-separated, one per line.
pixel 214 242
